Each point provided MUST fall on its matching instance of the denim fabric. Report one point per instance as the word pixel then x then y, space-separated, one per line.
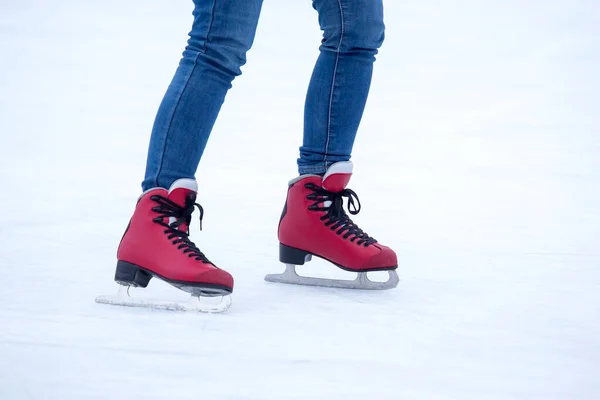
pixel 353 30
pixel 222 32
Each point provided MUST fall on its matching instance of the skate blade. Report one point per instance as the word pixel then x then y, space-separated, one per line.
pixel 362 282
pixel 194 304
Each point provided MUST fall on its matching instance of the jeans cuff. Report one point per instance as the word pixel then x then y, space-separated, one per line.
pixel 312 169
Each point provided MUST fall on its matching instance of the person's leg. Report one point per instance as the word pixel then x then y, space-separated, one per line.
pixel 156 242
pixel 314 221
pixel 222 32
pixel 353 31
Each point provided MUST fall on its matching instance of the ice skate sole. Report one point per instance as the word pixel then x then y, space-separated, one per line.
pixel 292 257
pixel 194 304
pixel 128 274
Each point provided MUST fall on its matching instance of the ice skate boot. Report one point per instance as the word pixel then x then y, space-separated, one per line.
pixel 156 244
pixel 314 223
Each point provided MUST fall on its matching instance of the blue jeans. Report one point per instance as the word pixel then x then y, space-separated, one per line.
pixel 222 32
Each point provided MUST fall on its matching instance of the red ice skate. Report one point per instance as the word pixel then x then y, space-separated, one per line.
pixel 314 223
pixel 156 244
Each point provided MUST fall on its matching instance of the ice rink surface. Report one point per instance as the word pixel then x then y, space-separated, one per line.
pixel 478 161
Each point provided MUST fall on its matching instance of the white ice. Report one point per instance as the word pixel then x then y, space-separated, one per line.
pixel 478 160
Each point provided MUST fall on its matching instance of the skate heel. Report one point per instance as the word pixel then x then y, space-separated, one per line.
pixel 290 255
pixel 131 275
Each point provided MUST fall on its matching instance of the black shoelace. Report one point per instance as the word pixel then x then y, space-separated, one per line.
pixel 336 218
pixel 167 209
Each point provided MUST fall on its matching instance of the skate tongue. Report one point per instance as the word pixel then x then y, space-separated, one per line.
pixel 180 189
pixel 178 193
pixel 337 176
